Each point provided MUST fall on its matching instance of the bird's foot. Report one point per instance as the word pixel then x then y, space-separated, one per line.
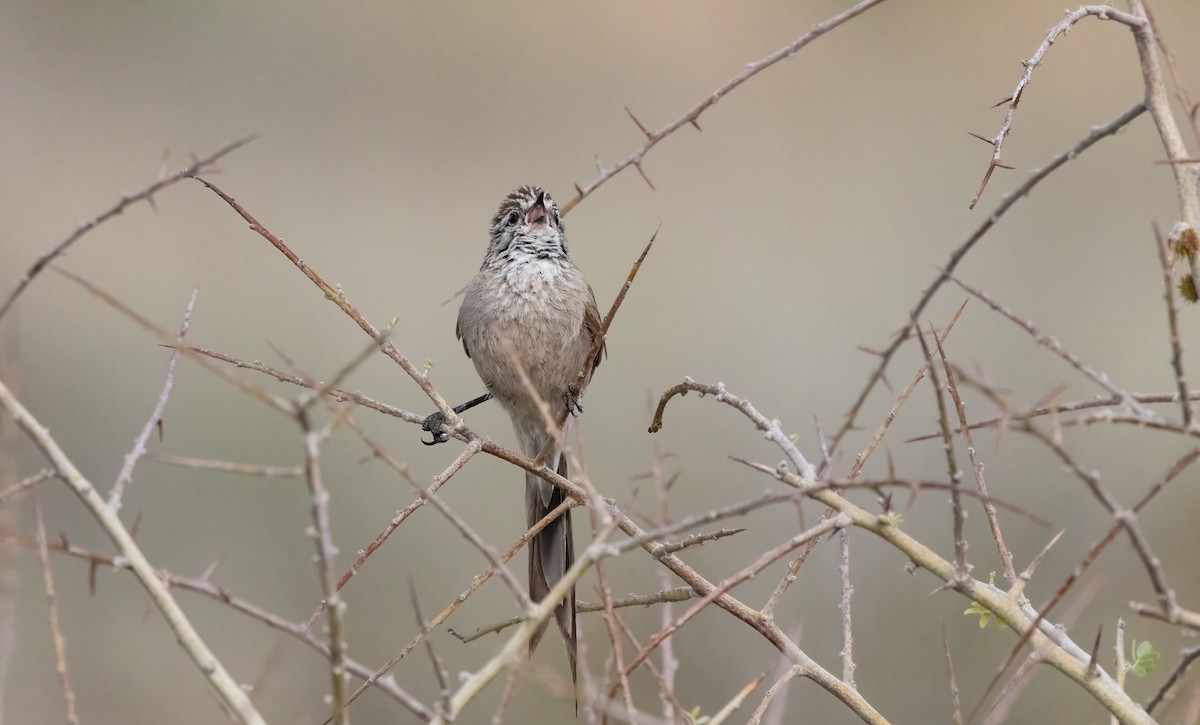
pixel 572 400
pixel 433 425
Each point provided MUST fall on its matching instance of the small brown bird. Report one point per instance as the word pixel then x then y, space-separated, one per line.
pixel 529 292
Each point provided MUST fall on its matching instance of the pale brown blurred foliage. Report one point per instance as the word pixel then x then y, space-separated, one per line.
pixel 803 222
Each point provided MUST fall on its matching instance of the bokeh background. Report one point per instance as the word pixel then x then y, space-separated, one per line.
pixel 802 223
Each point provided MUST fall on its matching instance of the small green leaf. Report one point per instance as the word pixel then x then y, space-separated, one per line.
pixel 1144 659
pixel 985 615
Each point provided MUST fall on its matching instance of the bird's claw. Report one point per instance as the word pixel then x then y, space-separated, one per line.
pixel 572 400
pixel 433 425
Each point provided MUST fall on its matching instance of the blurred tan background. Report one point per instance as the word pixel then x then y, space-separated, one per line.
pixel 803 222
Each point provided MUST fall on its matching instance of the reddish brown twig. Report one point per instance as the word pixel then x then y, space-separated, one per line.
pixel 977 468
pixel 691 117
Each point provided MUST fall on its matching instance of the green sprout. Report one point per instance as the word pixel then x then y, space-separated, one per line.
pixel 985 615
pixel 1145 657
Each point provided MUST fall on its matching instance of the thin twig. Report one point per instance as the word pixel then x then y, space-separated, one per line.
pixel 1006 202
pixel 60 644
pixel 458 600
pixel 847 652
pixel 203 165
pixel 1089 558
pixel 720 716
pixel 1007 697
pixel 1018 588
pixel 1104 12
pixel 669 663
pixel 779 687
pixel 323 539
pixel 25 484
pixel 593 355
pixel 206 588
pixel 691 117
pixel 1183 618
pixel 339 299
pixel 251 390
pixel 1186 657
pixel 227 688
pixel 1051 643
pixel 956 509
pixel 954 700
pixel 1164 264
pixel 821 529
pixel 1119 646
pixel 518 643
pixel 1054 346
pixel 506 693
pixel 977 468
pixel 459 523
pixel 401 516
pixel 1012 420
pixel 231 467
pixel 435 662
pixel 676 594
pixel 336 394
pixel 665 690
pixel 156 417
pixel 1128 520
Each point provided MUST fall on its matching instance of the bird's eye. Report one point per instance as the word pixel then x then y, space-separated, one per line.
pixel 512 218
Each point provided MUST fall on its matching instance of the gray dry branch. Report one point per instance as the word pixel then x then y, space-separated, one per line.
pixel 1048 643
pixel 227 688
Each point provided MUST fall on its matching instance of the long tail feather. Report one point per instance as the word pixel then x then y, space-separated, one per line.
pixel 551 553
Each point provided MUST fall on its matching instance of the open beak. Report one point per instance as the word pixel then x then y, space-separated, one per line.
pixel 537 213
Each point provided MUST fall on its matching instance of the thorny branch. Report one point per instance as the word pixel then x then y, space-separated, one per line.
pixel 205 165
pixel 692 116
pixel 1103 12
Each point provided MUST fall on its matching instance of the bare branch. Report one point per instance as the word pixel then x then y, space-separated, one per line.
pixel 156 417
pixel 232 467
pixel 775 689
pixel 692 116
pixel 1119 646
pixel 1103 12
pixel 1054 346
pixel 1186 658
pixel 206 588
pixel 323 539
pixel 977 467
pixel 847 652
pixel 25 484
pixel 60 644
pixel 958 717
pixel 955 473
pixel 339 299
pixel 677 594
pixel 723 714
pixel 1007 201
pixel 231 694
pixel 147 194
pixel 1164 264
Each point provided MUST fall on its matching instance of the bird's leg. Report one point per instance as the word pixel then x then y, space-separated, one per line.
pixel 435 421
